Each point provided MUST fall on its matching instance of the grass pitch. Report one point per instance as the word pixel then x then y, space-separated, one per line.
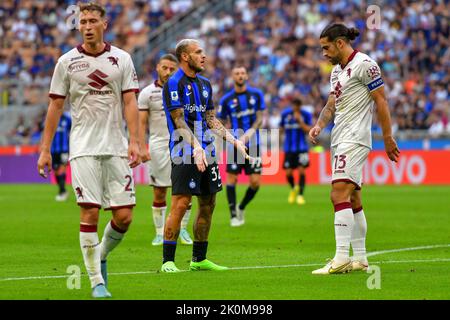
pixel 272 255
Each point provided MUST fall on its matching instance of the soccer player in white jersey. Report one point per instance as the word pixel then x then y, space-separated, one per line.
pixel 152 114
pixel 101 83
pixel 356 86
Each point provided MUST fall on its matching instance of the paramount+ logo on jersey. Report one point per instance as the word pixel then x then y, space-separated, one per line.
pixel 194 108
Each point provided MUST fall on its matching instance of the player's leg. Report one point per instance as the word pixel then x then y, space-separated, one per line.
pixel 290 164
pixel 232 178
pixel 185 238
pixel 358 241
pixel 178 207
pixel 255 181
pixel 343 226
pixel 301 185
pixel 159 208
pixel 202 225
pixel 119 197
pixel 86 182
pixel 59 167
pixel 90 245
pixel 303 163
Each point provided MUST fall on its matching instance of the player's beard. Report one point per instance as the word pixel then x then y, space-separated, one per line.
pixel 194 67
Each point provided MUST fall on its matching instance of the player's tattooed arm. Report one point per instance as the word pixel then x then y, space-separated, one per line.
pixel 217 126
pixel 183 129
pixel 214 124
pixel 326 115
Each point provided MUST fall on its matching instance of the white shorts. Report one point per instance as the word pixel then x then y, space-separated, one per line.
pixel 103 181
pixel 160 166
pixel 347 161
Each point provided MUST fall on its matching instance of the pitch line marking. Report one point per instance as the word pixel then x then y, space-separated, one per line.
pixel 371 254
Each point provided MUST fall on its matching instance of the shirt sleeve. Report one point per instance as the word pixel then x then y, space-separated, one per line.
pixel 262 103
pixel 171 95
pixel 371 75
pixel 222 109
pixel 59 87
pixel 143 100
pixel 209 98
pixel 129 77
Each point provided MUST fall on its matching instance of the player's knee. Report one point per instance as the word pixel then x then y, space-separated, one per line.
pixel 254 185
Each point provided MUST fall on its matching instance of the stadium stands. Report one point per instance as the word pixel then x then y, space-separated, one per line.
pixel 276 40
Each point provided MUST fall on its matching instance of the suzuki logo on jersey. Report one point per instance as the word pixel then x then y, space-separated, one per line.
pixel 98 77
pixel 114 61
pixel 337 90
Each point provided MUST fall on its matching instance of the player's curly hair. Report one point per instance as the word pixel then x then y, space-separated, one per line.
pixel 338 30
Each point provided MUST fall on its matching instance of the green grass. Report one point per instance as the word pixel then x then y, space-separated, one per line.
pixel 39 237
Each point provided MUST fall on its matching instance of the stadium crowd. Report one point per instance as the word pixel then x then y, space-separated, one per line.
pixel 276 40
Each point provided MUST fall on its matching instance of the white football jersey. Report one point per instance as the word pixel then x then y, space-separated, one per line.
pixel 351 87
pixel 150 99
pixel 95 84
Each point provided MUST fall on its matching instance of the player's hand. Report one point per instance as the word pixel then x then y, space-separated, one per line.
pixel 144 154
pixel 200 159
pixel 391 148
pixel 314 133
pixel 243 139
pixel 240 146
pixel 45 160
pixel 134 158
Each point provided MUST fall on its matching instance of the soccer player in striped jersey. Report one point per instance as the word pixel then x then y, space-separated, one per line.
pixel 188 102
pixel 60 154
pixel 295 123
pixel 101 83
pixel 356 87
pixel 243 106
pixel 152 115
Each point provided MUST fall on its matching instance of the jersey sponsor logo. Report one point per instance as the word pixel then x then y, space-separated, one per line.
pixel 97 76
pixel 100 93
pixel 114 61
pixel 194 108
pixel 78 66
pixel 243 113
pixel 337 90
pixel 174 95
pixel 76 58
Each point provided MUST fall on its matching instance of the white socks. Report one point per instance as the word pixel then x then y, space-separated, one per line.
pixel 185 220
pixel 159 217
pixel 359 235
pixel 111 238
pixel 343 227
pixel 90 248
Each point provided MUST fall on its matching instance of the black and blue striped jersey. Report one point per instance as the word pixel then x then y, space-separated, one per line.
pixel 60 142
pixel 295 138
pixel 241 109
pixel 194 95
